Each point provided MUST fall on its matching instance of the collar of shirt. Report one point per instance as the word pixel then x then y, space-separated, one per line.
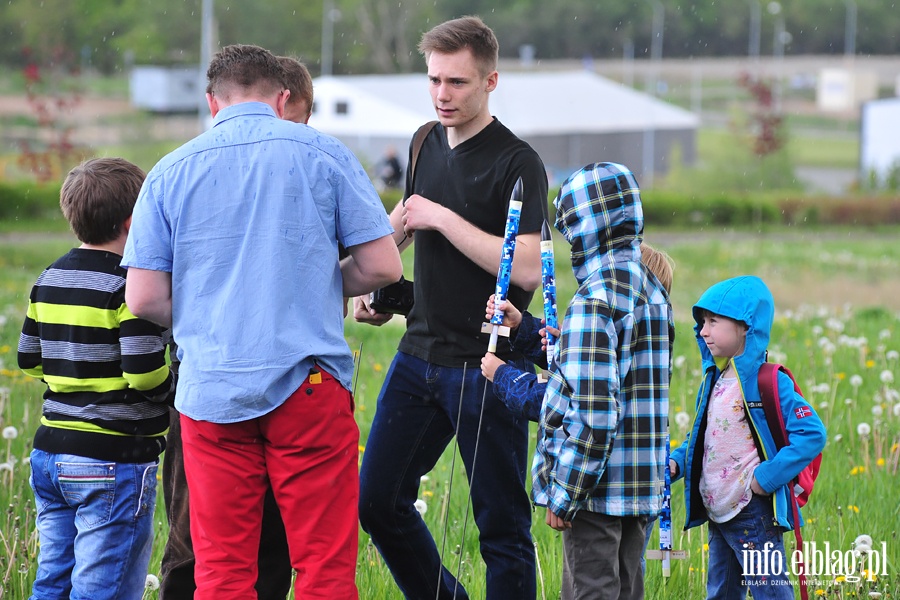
pixel 243 109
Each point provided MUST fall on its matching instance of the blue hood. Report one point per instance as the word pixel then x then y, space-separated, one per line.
pixel 745 299
pixel 598 210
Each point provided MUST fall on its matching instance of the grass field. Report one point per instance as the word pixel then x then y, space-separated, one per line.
pixel 837 328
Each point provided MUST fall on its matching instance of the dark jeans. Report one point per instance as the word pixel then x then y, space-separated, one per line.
pixel 415 421
pixel 177 570
pixel 741 542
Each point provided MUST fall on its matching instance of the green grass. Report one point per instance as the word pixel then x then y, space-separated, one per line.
pixel 812 277
pixel 836 149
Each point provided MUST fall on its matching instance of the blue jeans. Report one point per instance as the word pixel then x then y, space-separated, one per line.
pixel 415 421
pixel 95 520
pixel 747 553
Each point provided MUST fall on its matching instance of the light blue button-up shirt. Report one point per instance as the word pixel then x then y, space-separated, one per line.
pixel 247 217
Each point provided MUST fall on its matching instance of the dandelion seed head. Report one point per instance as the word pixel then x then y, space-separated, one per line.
pixel 863 429
pixel 856 380
pixel 152 582
pixel 679 361
pixel 896 410
pixel 848 401
pixel 877 410
pixel 884 334
pixel 682 419
pixel 10 433
pixel 421 506
pixel 892 355
pixel 886 376
pixel 837 438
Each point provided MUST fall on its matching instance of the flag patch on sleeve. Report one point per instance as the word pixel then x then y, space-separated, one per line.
pixel 803 411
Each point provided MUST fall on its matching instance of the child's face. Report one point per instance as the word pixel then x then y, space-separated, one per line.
pixel 723 336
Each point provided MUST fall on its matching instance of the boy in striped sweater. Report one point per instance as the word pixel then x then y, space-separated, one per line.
pixel 105 410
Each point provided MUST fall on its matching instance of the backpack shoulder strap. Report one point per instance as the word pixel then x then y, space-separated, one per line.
pixel 418 140
pixel 768 394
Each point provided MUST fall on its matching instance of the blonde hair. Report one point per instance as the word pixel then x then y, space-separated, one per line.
pixel 659 263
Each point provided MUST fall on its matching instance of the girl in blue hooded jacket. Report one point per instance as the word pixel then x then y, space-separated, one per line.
pixel 735 478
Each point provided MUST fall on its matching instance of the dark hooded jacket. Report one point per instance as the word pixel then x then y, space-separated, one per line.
pixel 602 440
pixel 747 299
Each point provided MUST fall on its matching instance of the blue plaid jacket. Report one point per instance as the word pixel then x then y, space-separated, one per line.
pixel 602 440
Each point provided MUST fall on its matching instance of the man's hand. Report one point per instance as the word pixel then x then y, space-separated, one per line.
pixel 512 317
pixel 421 213
pixel 364 313
pixel 557 523
pixel 489 365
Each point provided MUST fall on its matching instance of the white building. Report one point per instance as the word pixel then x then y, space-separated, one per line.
pixel 570 118
pixel 879 144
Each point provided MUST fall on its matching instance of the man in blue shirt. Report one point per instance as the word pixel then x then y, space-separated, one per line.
pixel 234 243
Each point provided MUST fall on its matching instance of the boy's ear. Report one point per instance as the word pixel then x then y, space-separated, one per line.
pixel 126 226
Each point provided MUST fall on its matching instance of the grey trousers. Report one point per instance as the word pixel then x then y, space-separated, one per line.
pixel 602 557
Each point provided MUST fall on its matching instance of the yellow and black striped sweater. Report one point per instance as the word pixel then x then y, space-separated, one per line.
pixel 108 385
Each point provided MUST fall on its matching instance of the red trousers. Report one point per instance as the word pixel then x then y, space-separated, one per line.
pixel 308 448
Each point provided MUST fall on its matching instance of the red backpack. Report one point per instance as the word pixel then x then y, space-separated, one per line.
pixel 803 483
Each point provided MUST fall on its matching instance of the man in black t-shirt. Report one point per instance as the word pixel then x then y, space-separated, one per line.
pixel 455 210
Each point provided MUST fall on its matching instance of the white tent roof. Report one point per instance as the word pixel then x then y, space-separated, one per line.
pixel 529 103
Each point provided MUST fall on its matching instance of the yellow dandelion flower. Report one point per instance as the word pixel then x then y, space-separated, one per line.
pixel 840 579
pixel 377 367
pixel 361 448
pixel 4 348
pixel 853 507
pixel 880 462
pixel 361 408
pixel 674 444
pixel 870 363
pixel 820 592
pixel 841 376
pixel 706 547
pixel 857 470
pixel 427 493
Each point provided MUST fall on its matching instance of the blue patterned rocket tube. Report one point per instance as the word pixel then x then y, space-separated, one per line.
pixel 548 284
pixel 506 260
pixel 665 520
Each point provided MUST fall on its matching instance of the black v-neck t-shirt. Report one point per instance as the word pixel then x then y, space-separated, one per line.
pixel 475 180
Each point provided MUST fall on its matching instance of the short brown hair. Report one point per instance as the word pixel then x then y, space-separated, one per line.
pixel 298 81
pixel 466 32
pixel 98 196
pixel 659 263
pixel 246 67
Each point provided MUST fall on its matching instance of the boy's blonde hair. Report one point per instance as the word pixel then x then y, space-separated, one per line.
pixel 98 196
pixel 659 263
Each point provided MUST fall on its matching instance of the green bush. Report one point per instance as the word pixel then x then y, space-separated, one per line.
pixel 663 208
pixel 28 200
